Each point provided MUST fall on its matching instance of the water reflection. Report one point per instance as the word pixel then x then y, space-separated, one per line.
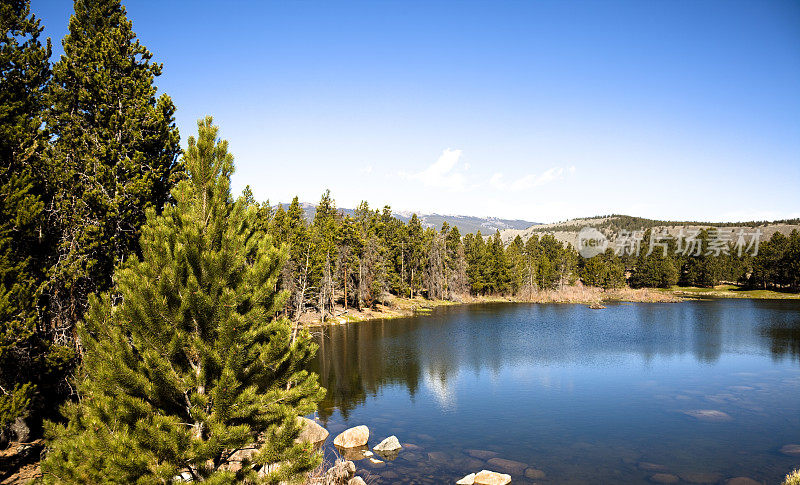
pixel 359 360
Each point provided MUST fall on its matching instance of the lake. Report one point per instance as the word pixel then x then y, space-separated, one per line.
pixel 703 390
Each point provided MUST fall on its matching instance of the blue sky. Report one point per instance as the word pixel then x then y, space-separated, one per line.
pixel 535 110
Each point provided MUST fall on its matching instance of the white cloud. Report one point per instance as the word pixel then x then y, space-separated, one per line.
pixel 442 173
pixel 367 169
pixel 530 180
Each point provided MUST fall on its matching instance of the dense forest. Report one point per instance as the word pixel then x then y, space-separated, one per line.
pixel 99 207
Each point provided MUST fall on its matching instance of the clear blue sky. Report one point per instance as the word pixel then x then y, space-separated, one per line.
pixel 534 110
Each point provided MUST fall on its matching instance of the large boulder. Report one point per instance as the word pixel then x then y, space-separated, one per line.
pixel 352 437
pixel 486 477
pixel 311 431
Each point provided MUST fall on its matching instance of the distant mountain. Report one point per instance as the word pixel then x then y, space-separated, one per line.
pixel 465 224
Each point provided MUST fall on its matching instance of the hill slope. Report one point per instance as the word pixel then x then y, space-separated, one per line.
pixel 567 231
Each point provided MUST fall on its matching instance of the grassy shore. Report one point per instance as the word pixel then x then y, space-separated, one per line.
pixel 405 307
pixel 729 291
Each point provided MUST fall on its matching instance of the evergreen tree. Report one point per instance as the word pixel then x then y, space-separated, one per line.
pixel 24 72
pixel 414 248
pixel 323 234
pixel 604 270
pixel 657 269
pixel 477 261
pixel 184 366
pixel 114 153
pixel 499 276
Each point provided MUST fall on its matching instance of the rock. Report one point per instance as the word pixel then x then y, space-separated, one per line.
pixel 389 444
pixel 245 453
pixel 21 430
pixel 701 478
pixel 486 477
pixel 791 450
pixel 355 453
pixel 467 480
pixel 742 481
pixel 534 474
pixel 481 454
pixel 311 432
pixel 376 463
pixel 350 438
pixel 368 453
pixel 438 457
pixel 340 472
pixel 390 475
pixel 650 467
pixel 664 478
pixel 356 481
pixel 596 306
pixel 412 446
pixel 510 466
pixel 708 415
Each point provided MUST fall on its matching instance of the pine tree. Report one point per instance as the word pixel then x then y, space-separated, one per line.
pixel 657 269
pixel 184 364
pixel 24 73
pixel 114 153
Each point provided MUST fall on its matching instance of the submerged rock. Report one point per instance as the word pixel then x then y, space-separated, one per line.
pixel 534 474
pixel 510 466
pixel 481 454
pixel 708 415
pixel 664 478
pixel 438 457
pixel 486 477
pixel 742 481
pixel 791 450
pixel 467 480
pixel 354 453
pixel 352 437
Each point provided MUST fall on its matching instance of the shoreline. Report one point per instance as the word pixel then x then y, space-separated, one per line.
pixel 402 307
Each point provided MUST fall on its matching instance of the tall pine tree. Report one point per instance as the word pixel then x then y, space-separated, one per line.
pixel 114 153
pixel 24 73
pixel 184 364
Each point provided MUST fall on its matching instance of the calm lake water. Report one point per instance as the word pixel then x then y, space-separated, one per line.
pixel 586 396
